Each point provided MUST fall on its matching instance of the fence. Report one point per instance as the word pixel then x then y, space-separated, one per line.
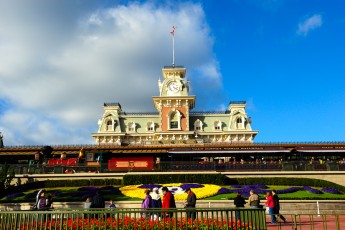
pixel 172 166
pixel 107 219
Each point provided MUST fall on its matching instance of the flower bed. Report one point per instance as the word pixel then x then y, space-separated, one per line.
pixel 138 223
pixel 178 189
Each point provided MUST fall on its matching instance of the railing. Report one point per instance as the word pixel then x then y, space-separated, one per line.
pixel 268 143
pixel 135 219
pixel 171 166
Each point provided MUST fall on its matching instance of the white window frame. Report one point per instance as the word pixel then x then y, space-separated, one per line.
pixel 131 126
pixel 178 114
pixel 218 125
pixel 198 125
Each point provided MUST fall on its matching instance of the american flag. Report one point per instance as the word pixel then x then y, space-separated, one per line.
pixel 172 31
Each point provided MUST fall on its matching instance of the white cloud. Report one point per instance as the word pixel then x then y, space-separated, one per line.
pixel 311 23
pixel 61 61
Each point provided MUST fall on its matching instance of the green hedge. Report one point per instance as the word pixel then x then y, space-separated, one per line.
pixel 175 178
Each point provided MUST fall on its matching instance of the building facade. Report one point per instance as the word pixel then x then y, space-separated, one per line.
pixel 174 122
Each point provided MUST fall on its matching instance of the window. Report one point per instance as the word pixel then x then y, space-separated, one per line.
pixel 218 125
pixel 151 126
pixel 198 125
pixel 131 126
pixel 239 123
pixel 174 119
pixel 110 125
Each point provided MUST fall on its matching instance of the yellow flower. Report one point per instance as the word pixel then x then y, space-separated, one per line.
pixel 207 191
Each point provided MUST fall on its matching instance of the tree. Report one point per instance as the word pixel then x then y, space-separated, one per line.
pixel 6 176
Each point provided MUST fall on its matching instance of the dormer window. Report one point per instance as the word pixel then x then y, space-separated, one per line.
pixel 110 125
pixel 197 125
pixel 151 126
pixel 174 119
pixel 131 126
pixel 217 125
pixel 239 123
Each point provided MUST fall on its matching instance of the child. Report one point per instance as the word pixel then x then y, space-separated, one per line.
pixel 112 205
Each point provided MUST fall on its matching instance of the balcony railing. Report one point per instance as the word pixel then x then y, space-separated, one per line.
pixel 173 166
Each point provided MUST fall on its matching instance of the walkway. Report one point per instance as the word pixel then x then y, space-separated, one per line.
pixel 312 222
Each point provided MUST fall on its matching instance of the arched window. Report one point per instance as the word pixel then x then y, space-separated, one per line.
pixel 131 126
pixel 110 125
pixel 239 123
pixel 174 119
pixel 150 126
pixel 197 125
pixel 218 125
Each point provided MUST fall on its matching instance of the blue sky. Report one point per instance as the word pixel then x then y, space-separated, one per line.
pixel 62 59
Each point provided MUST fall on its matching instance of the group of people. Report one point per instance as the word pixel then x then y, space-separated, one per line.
pixel 155 201
pixel 272 203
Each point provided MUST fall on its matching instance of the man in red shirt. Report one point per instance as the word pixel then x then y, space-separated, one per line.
pixel 168 202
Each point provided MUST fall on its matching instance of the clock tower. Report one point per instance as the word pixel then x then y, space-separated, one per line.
pixel 174 103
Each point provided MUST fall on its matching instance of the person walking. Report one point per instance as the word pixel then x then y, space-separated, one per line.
pixel 270 205
pixel 156 203
pixel 190 203
pixel 42 201
pixel 147 203
pixel 168 202
pixel 253 200
pixel 97 201
pixel 239 202
pixel 277 206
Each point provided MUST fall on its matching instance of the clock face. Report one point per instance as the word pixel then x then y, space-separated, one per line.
pixel 174 87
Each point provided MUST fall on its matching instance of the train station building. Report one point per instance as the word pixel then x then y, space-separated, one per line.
pixel 174 122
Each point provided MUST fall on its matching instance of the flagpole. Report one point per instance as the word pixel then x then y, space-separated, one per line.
pixel 172 31
pixel 173 51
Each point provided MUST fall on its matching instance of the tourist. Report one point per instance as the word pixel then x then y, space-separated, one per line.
pixel 156 202
pixel 270 205
pixel 42 201
pixel 97 201
pixel 277 205
pixel 239 202
pixel 253 200
pixel 147 203
pixel 49 202
pixel 190 203
pixel 87 203
pixel 168 202
pixel 111 204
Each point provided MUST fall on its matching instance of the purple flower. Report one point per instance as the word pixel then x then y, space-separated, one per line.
pixel 224 191
pixel 289 190
pixel 331 190
pixel 237 186
pixel 185 186
pixel 14 195
pixel 55 193
pixel 312 190
pixel 88 188
pixel 150 186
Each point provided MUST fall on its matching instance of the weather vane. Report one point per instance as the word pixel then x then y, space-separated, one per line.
pixel 172 32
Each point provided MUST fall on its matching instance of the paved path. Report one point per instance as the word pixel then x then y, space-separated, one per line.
pixel 312 222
